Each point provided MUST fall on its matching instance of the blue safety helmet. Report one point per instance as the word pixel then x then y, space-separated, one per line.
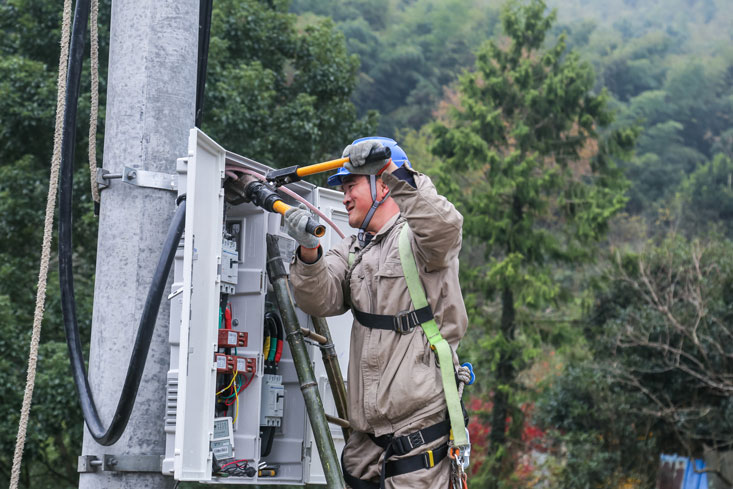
pixel 398 157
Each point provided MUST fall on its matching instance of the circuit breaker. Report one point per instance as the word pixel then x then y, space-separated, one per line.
pixel 235 413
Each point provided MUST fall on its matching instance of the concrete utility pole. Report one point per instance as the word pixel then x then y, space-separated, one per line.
pixel 151 100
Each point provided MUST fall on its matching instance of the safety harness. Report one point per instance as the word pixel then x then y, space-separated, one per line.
pixel 403 323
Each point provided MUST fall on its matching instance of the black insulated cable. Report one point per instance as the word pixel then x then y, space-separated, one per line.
pixel 108 436
pixel 104 436
pixel 205 9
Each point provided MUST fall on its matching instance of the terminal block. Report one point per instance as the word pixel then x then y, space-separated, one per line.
pixel 228 364
pixel 232 339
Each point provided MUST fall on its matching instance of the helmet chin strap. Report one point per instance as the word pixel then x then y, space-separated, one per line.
pixel 363 237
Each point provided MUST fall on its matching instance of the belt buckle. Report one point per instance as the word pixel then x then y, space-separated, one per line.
pixel 415 440
pixel 402 322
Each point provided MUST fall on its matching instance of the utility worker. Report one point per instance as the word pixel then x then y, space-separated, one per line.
pixel 397 406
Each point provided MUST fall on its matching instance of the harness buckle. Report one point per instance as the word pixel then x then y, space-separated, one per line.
pixel 415 439
pixel 405 321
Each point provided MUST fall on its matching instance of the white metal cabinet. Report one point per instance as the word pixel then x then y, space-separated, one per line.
pixel 194 319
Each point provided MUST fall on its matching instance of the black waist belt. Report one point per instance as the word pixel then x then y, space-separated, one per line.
pixel 403 322
pixel 400 445
pixel 407 443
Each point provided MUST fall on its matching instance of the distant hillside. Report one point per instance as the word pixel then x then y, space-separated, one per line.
pixel 667 64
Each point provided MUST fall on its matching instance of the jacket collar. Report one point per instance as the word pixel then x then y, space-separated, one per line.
pixel 385 229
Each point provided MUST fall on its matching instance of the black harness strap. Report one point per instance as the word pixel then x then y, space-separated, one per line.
pixel 426 460
pixel 401 445
pixel 403 322
pixel 355 483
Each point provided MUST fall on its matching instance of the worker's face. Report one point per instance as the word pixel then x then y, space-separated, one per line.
pixel 358 197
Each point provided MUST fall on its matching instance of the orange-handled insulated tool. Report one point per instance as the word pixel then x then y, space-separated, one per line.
pixel 249 189
pixel 294 173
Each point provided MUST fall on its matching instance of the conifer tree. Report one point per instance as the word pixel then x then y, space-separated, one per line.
pixel 525 158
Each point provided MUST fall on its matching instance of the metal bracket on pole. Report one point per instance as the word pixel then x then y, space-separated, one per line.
pixel 120 463
pixel 150 179
pixel 103 177
pixel 140 178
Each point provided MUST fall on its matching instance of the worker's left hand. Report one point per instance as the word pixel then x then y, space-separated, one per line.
pixel 358 153
pixel 296 220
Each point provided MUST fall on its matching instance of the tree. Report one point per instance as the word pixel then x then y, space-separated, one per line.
pixel 595 432
pixel 706 198
pixel 667 331
pixel 524 159
pixel 275 94
pixel 656 375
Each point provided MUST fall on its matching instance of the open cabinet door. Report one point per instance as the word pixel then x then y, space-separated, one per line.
pixel 200 179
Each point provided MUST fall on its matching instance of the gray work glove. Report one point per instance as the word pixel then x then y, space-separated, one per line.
pixel 296 219
pixel 358 153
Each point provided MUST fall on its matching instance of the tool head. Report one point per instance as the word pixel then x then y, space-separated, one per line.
pixel 235 189
pixel 399 158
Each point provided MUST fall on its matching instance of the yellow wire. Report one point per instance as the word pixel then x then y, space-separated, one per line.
pixel 230 383
pixel 236 402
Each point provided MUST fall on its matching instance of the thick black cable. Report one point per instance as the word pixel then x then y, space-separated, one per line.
pixel 109 435
pixel 128 394
pixel 205 9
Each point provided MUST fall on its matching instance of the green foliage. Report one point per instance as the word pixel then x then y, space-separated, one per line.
pixel 593 419
pixel 525 162
pixel 409 51
pixel 275 94
pixel 706 198
pixel 663 325
pixel 656 377
pixel 667 66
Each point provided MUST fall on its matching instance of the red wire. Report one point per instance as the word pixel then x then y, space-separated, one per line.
pixel 279 351
pixel 228 316
pixel 231 401
pixel 235 462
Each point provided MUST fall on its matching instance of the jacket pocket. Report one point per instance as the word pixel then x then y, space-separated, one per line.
pixel 392 295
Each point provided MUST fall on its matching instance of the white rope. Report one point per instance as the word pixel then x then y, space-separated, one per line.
pixel 46 248
pixel 94 111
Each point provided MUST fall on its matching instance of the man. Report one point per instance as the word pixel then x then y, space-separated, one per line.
pixel 397 406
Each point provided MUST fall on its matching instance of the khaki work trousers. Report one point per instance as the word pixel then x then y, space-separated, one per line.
pixel 363 459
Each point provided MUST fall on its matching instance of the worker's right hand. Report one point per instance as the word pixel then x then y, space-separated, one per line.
pixel 296 219
pixel 358 154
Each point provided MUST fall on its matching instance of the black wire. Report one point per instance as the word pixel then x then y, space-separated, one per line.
pixel 109 435
pixel 271 331
pixel 267 434
pixel 205 9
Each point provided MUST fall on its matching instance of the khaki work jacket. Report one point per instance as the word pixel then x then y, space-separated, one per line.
pixel 393 379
